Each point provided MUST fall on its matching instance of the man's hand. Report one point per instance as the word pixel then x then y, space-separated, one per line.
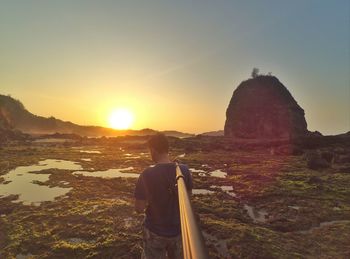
pixel 140 206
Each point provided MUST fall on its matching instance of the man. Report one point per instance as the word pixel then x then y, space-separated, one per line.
pixel 156 191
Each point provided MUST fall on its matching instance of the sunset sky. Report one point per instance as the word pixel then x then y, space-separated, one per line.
pixel 173 64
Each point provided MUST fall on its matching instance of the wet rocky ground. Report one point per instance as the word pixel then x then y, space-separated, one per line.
pixel 74 199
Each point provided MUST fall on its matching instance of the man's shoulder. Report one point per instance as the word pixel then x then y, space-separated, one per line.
pixel 149 170
pixel 153 169
pixel 184 168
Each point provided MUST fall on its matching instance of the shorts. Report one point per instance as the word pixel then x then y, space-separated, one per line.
pixel 159 247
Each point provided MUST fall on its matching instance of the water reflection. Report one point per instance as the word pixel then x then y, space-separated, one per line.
pixel 193 170
pixel 226 188
pixel 23 181
pixel 218 173
pixel 255 215
pixel 110 173
pixel 90 151
pixel 201 191
pixel 131 155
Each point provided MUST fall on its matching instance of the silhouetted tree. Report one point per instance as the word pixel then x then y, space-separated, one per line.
pixel 255 72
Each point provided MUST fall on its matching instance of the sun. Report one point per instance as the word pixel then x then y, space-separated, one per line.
pixel 121 119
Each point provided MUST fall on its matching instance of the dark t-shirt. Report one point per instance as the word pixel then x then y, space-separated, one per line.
pixel 157 186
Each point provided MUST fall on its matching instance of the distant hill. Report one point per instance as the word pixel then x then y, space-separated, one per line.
pixel 213 133
pixel 7 132
pixel 4 123
pixel 14 115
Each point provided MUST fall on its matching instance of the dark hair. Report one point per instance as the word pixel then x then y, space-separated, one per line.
pixel 159 142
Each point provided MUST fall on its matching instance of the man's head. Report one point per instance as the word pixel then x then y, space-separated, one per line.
pixel 159 146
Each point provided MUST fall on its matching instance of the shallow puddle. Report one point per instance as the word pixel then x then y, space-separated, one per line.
pixel 255 215
pixel 201 191
pixel 131 155
pixel 218 173
pixel 110 173
pixel 226 188
pixel 294 207
pixel 193 170
pixel 63 182
pixel 90 151
pixel 22 181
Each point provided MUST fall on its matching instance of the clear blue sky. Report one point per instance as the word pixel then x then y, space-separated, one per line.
pixel 174 64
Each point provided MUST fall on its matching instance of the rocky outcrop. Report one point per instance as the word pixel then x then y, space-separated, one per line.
pixel 263 108
pixel 4 122
pixel 7 132
pixel 317 161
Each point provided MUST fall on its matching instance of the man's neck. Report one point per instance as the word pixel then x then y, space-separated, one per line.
pixel 163 159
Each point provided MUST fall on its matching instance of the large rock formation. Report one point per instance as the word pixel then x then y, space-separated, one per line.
pixel 261 108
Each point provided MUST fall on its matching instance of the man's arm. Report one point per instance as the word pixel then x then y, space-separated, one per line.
pixel 140 205
pixel 140 195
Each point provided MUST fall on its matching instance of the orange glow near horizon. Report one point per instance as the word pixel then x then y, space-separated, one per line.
pixel 121 119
